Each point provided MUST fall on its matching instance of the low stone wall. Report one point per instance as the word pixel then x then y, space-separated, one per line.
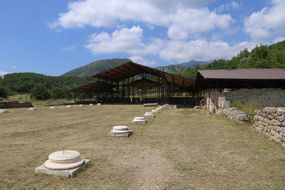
pixel 271 122
pixel 235 114
pixel 15 104
pixel 217 103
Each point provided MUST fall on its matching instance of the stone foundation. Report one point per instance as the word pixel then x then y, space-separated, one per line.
pixel 15 104
pixel 216 102
pixel 66 173
pixel 271 122
pixel 235 114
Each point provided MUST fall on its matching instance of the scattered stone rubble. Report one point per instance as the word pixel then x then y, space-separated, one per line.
pixel 271 122
pixel 235 114
pixel 223 108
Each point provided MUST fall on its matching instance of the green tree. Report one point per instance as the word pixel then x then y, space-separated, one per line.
pixel 60 93
pixel 3 93
pixel 40 93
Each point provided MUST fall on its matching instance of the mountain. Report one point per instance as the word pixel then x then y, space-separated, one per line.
pixel 173 69
pixel 95 67
pixel 180 68
pixel 103 65
pixel 193 63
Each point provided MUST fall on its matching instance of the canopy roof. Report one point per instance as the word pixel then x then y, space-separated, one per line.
pixel 131 69
pixel 94 87
pixel 144 84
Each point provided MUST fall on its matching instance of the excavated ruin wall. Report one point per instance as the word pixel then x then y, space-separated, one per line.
pixel 271 122
pixel 219 102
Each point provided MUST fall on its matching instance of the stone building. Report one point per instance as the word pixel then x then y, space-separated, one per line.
pixel 255 86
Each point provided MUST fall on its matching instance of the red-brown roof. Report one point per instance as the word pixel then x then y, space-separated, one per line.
pixel 246 74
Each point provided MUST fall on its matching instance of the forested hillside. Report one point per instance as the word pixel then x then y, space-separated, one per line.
pixel 95 67
pixel 57 87
pixel 263 56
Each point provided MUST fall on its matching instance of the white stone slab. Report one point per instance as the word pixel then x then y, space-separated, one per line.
pixel 120 134
pixel 139 120
pixel 150 104
pixel 66 173
pixel 31 109
pixel 149 114
pixel 155 111
pixel 120 131
pixel 68 106
pixel 64 159
pixel 4 111
pixel 120 128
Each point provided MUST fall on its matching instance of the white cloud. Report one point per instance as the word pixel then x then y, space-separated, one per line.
pixel 129 40
pixel 192 21
pixel 124 40
pixel 169 5
pixel 14 67
pixel 279 39
pixel 98 13
pixel 2 73
pixel 141 60
pixel 185 21
pixel 181 51
pixel 153 47
pixel 181 17
pixel 268 22
pixel 228 6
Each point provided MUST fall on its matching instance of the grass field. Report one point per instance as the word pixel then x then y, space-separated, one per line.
pixel 179 149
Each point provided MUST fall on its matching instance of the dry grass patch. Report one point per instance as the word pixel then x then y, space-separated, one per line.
pixel 179 149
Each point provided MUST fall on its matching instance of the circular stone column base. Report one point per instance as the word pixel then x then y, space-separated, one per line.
pixel 120 131
pixel 63 160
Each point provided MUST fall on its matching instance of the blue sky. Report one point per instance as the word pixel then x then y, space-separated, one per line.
pixel 52 37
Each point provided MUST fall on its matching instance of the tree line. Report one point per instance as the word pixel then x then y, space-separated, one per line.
pixel 262 56
pixel 39 86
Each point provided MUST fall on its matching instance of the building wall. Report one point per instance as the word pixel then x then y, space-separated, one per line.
pixel 265 97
